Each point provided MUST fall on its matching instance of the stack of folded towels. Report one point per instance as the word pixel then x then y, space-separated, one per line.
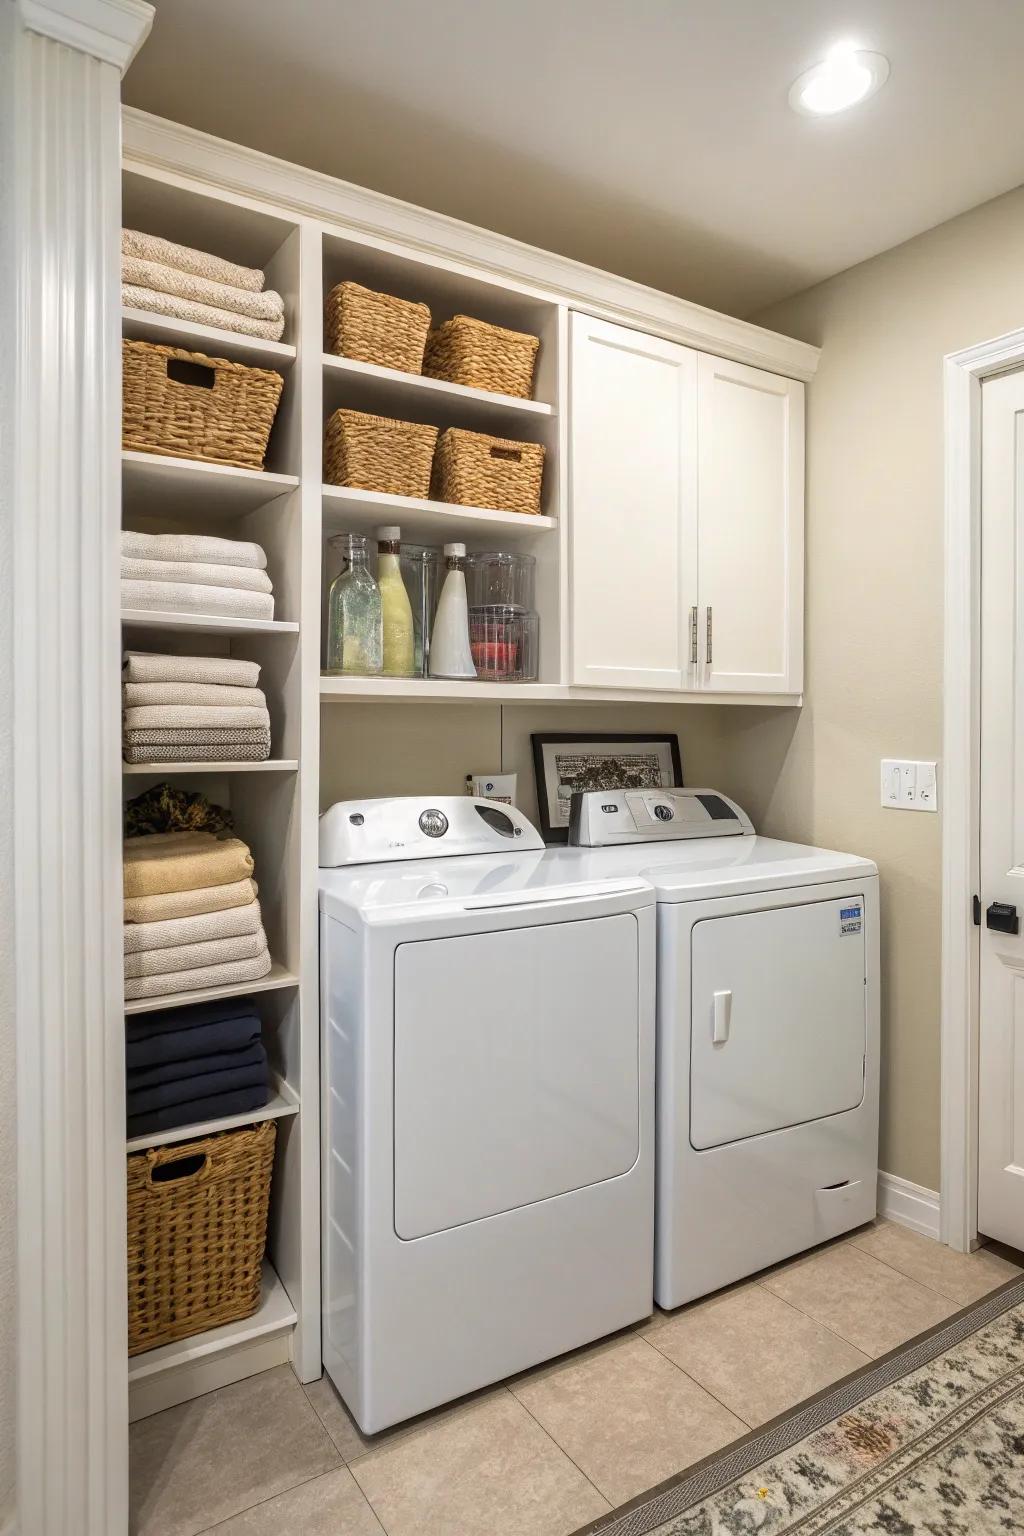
pixel 195 573
pixel 200 1062
pixel 193 709
pixel 191 917
pixel 185 284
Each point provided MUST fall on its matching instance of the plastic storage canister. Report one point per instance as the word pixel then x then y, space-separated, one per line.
pixel 355 628
pixel 500 579
pixel 423 572
pixel 450 653
pixel 395 606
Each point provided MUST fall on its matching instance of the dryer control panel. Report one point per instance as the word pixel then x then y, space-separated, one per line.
pixel 600 818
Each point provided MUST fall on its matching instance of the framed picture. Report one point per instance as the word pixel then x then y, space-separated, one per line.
pixel 566 761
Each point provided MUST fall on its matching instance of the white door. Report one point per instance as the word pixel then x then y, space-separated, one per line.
pixel 633 497
pixel 778 1018
pixel 750 430
pixel 1001 1014
pixel 516 1068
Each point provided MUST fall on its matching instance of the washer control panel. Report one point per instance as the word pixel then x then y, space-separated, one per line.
pixel 600 818
pixel 413 827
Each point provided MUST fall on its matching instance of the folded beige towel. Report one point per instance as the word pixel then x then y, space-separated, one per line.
pixel 203 548
pixel 200 929
pixel 214 602
pixel 148 667
pixel 175 904
pixel 267 305
pixel 231 974
pixel 186 957
pixel 242 578
pixel 203 694
pixel 187 259
pixel 156 303
pixel 249 752
pixel 167 717
pixel 160 862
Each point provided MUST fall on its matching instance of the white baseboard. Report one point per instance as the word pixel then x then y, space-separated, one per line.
pixel 910 1205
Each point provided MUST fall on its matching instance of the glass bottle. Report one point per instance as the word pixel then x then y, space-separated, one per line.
pixel 450 653
pixel 397 610
pixel 355 628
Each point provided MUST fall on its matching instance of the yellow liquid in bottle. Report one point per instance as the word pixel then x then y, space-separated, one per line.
pixel 399 639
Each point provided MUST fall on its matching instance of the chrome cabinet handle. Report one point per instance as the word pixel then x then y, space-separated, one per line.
pixel 708 645
pixel 693 635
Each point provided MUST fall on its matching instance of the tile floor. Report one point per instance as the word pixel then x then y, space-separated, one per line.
pixel 545 1452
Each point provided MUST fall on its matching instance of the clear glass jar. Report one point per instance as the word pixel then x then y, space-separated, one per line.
pixel 500 580
pixel 423 572
pixel 355 625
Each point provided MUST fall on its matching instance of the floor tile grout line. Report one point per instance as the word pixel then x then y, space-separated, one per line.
pixel 699 1384
pixel 560 1448
pixel 210 1530
pixel 853 1243
pixel 817 1321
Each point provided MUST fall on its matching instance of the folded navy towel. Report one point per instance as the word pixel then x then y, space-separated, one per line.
pixel 139 1078
pixel 201 1085
pixel 194 1111
pixel 180 1034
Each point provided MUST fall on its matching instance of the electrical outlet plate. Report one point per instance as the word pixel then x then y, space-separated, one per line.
pixel 909 786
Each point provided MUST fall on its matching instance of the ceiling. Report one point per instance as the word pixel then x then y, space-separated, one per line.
pixel 648 137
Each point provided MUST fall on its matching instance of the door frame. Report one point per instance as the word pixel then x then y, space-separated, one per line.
pixel 964 373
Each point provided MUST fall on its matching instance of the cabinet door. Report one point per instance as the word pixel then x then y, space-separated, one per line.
pixel 633 497
pixel 750 428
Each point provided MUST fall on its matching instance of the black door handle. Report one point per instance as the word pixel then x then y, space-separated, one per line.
pixel 1002 917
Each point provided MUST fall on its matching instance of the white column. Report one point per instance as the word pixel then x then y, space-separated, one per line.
pixel 59 283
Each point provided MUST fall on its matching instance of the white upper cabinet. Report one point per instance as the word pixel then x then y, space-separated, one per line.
pixel 686 532
pixel 633 530
pixel 750 435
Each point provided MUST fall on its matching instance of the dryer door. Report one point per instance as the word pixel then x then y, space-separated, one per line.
pixel 778 1018
pixel 516 1068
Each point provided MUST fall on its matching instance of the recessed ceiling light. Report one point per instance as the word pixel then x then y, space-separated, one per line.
pixel 845 76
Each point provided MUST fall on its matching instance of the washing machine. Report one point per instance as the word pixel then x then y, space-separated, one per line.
pixel 768 1031
pixel 487 1061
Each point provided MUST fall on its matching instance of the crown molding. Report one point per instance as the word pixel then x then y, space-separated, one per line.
pixel 112 31
pixel 232 169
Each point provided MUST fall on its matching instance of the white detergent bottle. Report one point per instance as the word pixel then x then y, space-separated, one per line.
pixel 450 653
pixel 395 606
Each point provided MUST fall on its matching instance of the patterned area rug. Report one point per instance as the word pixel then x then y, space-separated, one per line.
pixel 928 1441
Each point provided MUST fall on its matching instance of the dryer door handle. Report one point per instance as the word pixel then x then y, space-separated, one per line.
pixel 722 1017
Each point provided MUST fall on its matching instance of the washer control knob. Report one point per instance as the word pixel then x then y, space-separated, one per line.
pixel 433 823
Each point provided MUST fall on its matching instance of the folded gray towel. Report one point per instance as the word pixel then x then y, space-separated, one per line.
pixel 188 259
pixel 203 694
pixel 192 716
pixel 242 577
pixel 267 305
pixel 230 974
pixel 214 602
pixel 148 667
pixel 188 957
pixel 200 929
pixel 156 303
pixel 205 736
pixel 204 548
pixel 209 752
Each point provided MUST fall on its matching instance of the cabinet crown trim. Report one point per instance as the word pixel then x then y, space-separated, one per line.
pixel 112 31
pixel 234 170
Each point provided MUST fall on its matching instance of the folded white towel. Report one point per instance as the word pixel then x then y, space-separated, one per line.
pixel 186 957
pixel 214 602
pixel 203 548
pixel 141 717
pixel 149 667
pixel 188 259
pixel 233 973
pixel 203 694
pixel 156 303
pixel 227 924
pixel 267 305
pixel 244 577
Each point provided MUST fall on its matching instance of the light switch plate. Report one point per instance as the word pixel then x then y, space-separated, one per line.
pixel 909 786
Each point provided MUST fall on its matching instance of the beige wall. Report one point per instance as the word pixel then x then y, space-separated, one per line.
pixel 874 608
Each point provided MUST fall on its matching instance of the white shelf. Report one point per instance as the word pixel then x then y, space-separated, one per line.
pixel 275 1314
pixel 269 765
pixel 156 485
pixel 139 325
pixel 423 688
pixel 204 624
pixel 391 393
pixel 282 1102
pixel 276 977
pixel 356 511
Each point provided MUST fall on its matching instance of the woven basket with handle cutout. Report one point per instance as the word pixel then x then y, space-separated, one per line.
pixel 192 406
pixel 476 470
pixel 482 356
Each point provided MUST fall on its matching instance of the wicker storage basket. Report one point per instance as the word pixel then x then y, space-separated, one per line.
pixel 197 407
pixel 375 453
pixel 376 327
pixel 468 351
pixel 197 1226
pixel 480 471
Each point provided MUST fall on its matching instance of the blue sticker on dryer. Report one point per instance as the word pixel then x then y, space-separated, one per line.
pixel 851 918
